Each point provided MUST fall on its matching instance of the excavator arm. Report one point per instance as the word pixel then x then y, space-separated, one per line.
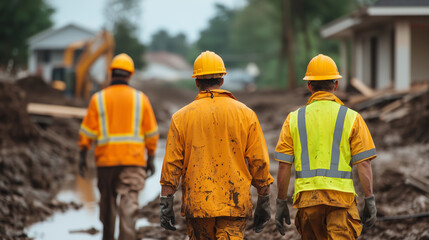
pixel 102 44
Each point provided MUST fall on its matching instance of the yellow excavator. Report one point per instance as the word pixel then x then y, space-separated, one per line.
pixel 73 75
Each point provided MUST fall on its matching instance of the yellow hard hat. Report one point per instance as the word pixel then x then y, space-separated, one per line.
pixel 208 63
pixel 123 62
pixel 322 67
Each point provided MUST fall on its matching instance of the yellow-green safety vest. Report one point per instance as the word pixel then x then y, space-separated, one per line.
pixel 320 132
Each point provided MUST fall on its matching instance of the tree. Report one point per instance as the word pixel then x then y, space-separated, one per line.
pixel 20 20
pixel 122 18
pixel 126 41
pixel 162 41
pixel 217 36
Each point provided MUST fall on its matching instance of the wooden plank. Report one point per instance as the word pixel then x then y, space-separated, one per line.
pixel 418 183
pixel 56 110
pixel 400 113
pixel 362 88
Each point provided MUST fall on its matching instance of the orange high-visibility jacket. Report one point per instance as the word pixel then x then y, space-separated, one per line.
pixel 216 145
pixel 121 121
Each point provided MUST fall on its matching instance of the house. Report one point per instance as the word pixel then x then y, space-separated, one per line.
pixel 166 66
pixel 386 43
pixel 47 48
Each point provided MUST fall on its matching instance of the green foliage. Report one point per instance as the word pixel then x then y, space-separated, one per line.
pixel 122 17
pixel 127 42
pixel 21 19
pixel 162 41
pixel 255 34
pixel 217 37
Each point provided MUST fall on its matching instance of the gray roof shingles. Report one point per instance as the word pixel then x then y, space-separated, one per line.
pixel 401 3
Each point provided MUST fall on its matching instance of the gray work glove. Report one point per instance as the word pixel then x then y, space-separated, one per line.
pixel 150 167
pixel 82 167
pixel 282 214
pixel 262 213
pixel 167 213
pixel 369 213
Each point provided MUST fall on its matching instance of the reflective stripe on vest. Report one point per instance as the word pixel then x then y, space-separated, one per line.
pixel 333 171
pixel 133 137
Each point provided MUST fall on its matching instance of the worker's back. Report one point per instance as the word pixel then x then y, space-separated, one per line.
pixel 219 133
pixel 120 117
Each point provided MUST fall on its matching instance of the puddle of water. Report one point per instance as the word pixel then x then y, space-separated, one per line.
pixel 60 224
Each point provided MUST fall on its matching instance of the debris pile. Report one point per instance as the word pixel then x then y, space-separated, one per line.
pixel 33 164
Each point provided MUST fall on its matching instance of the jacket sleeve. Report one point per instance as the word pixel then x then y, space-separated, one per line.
pixel 174 157
pixel 361 144
pixel 257 155
pixel 89 128
pixel 284 149
pixel 149 127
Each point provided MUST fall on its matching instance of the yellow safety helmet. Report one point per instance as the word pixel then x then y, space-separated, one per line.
pixel 208 63
pixel 123 62
pixel 322 67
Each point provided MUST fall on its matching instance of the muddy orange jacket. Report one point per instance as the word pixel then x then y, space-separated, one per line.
pixel 216 146
pixel 121 121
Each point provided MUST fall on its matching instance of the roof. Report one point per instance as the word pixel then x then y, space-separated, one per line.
pixel 168 59
pixel 59 38
pixel 382 10
pixel 401 3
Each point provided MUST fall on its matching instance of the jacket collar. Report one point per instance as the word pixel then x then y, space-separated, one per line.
pixel 322 95
pixel 214 93
pixel 118 82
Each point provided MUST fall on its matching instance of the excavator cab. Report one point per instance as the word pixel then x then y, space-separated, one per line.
pixel 72 76
pixel 63 79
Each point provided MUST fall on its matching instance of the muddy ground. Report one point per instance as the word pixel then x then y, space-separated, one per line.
pixel 35 159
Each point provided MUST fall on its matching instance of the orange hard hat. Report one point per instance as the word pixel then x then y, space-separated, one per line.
pixel 208 63
pixel 123 62
pixel 322 67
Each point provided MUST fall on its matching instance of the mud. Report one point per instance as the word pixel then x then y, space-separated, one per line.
pixel 33 164
pixel 34 160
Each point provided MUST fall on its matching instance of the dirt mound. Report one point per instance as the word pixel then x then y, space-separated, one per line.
pixel 39 91
pixel 33 163
pixel 397 119
pixel 15 122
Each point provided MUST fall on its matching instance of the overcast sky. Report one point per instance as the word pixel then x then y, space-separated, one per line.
pixel 187 16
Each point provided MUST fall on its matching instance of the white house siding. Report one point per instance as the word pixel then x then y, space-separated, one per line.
pixel 419 52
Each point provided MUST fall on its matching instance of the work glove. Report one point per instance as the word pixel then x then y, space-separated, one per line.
pixel 282 214
pixel 262 213
pixel 369 213
pixel 82 167
pixel 167 212
pixel 150 167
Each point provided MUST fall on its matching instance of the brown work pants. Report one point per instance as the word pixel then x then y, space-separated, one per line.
pixel 216 228
pixel 324 222
pixel 125 181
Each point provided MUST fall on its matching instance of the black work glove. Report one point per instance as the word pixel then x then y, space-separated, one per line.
pixel 369 213
pixel 167 212
pixel 150 167
pixel 82 167
pixel 262 213
pixel 282 214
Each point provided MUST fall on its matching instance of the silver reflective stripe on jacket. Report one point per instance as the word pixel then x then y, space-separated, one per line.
pixel 333 171
pixel 135 137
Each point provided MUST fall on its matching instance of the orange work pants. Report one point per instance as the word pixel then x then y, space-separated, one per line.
pixel 216 228
pixel 324 222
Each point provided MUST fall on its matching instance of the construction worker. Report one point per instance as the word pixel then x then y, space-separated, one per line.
pixel 324 139
pixel 215 145
pixel 121 122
